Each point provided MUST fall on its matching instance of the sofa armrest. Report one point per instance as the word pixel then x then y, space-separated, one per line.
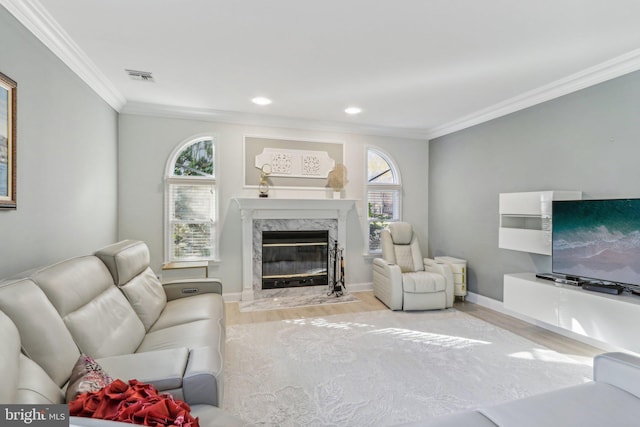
pixel 188 287
pixel 161 368
pixel 387 283
pixel 445 270
pixel 621 370
pixel 203 381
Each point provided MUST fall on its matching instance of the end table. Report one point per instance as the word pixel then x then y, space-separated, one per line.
pixel 459 268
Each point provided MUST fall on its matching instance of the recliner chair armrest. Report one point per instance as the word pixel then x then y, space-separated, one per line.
pixel 387 283
pixel 435 267
pixel 188 287
pixel 445 270
pixel 621 370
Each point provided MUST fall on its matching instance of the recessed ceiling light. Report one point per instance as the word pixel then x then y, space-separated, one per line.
pixel 261 100
pixel 353 110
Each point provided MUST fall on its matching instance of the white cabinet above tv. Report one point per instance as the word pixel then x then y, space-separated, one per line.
pixel 525 219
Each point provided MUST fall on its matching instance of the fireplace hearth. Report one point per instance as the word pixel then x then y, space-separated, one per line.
pixel 294 258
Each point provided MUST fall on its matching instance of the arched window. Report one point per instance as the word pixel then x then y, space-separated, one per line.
pixel 190 202
pixel 384 191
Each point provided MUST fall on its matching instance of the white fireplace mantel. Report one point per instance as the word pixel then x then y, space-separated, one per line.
pixel 252 208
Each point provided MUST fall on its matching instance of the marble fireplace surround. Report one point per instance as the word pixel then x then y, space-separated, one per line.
pixel 260 214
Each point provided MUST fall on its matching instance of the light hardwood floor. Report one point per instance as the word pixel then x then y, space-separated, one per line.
pixel 368 302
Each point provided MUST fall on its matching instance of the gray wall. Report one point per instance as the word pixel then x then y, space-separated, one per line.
pixel 587 141
pixel 146 143
pixel 66 160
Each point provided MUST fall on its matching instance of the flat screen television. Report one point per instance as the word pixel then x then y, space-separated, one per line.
pixel 597 239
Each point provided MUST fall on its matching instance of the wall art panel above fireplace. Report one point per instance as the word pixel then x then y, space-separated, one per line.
pixel 293 163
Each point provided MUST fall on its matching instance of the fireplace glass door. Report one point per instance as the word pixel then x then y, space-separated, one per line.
pixel 294 258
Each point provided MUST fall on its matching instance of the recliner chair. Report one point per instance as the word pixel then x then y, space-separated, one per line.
pixel 403 279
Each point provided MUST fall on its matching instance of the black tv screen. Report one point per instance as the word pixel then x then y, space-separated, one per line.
pixel 597 239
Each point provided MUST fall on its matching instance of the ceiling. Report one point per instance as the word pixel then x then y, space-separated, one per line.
pixel 419 68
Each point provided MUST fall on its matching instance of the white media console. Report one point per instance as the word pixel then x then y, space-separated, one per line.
pixel 611 319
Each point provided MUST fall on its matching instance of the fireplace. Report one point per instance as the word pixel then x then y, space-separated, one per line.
pixel 272 228
pixel 294 258
pixel 270 214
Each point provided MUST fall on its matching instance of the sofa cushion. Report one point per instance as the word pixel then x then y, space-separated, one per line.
pixel 72 283
pixel 125 259
pixel 191 309
pixel 128 263
pixel 99 317
pixel 587 405
pixel 106 325
pixel 10 357
pixel 43 334
pixel 201 333
pixel 146 296
pixel 35 386
pixel 23 381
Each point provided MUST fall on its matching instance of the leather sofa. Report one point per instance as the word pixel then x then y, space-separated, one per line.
pixel 612 399
pixel 112 307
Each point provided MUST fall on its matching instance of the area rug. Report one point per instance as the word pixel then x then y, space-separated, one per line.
pixel 383 368
pixel 294 301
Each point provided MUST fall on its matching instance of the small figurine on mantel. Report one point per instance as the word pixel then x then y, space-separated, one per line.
pixel 263 188
pixel 337 179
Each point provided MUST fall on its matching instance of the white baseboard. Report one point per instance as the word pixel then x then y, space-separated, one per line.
pixel 232 296
pixel 491 303
pixel 498 306
pixel 359 287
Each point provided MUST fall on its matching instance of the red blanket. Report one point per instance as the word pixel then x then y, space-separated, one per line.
pixel 136 403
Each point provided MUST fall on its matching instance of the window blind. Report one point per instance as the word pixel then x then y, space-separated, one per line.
pixel 192 218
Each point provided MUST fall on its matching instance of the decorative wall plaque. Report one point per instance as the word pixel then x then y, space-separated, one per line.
pixel 296 163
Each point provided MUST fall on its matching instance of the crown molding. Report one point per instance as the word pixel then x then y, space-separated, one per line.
pixel 36 19
pixel 248 119
pixel 39 22
pixel 608 70
pixel 616 67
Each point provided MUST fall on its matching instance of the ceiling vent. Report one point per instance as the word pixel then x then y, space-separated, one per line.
pixel 145 76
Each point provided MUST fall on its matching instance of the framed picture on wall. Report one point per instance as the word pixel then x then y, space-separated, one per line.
pixel 8 90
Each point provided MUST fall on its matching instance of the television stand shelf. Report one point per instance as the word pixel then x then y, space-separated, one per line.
pixel 610 319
